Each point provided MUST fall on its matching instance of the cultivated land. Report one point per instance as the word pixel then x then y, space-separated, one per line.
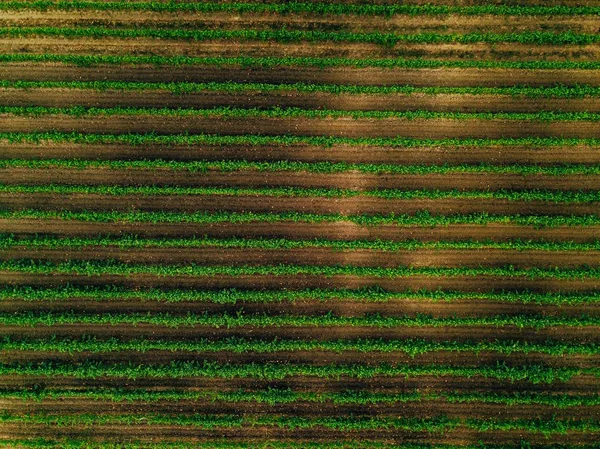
pixel 323 225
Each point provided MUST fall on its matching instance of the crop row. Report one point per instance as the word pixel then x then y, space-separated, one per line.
pixel 283 35
pixel 273 62
pixel 108 267
pixel 412 347
pixel 227 320
pixel 540 143
pixel 556 91
pixel 524 195
pixel 8 241
pixel 293 112
pixel 535 374
pixel 437 424
pixel 421 218
pixel 386 10
pixel 233 296
pixel 294 166
pixel 275 396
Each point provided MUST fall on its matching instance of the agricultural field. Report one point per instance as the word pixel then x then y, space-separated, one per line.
pixel 300 225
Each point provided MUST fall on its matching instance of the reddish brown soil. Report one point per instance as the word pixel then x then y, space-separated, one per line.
pixel 343 127
pixel 352 180
pixel 339 230
pixel 485 257
pixel 501 155
pixel 448 77
pixel 61 98
pixel 319 205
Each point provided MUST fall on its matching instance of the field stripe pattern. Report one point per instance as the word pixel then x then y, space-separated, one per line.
pixel 340 225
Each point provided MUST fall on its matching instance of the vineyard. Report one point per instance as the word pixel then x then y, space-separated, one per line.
pixel 300 225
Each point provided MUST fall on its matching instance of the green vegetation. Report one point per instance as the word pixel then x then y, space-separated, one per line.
pixel 287 36
pixel 275 396
pixel 420 219
pixel 8 241
pixel 180 88
pixel 412 347
pixel 105 267
pixel 317 8
pixel 312 167
pixel 267 61
pixel 516 195
pixel 134 139
pixel 234 296
pixel 283 113
pixel 535 374
pixel 437 424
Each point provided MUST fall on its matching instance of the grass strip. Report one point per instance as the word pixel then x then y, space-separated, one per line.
pixel 298 62
pixel 419 219
pixel 133 139
pixel 298 7
pixel 287 36
pixel 311 167
pixel 111 267
pixel 234 296
pixel 283 113
pixel 412 347
pixel 9 241
pixel 276 396
pixel 278 192
pixel 181 88
pixel 535 374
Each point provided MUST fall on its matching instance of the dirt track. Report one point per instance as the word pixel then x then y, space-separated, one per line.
pixel 362 76
pixel 339 230
pixel 369 154
pixel 255 203
pixel 61 98
pixel 352 180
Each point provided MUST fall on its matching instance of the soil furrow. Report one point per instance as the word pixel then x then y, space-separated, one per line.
pixel 260 434
pixel 366 154
pixel 423 409
pixel 474 258
pixel 63 97
pixel 312 358
pixel 502 51
pixel 316 205
pixel 352 180
pixel 362 76
pixel 435 128
pixel 399 23
pixel 587 334
pixel 416 282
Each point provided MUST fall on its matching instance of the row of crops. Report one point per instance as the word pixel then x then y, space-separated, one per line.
pixel 270 224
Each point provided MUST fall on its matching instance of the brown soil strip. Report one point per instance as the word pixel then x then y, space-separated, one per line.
pixel 265 21
pixel 352 180
pixel 369 76
pixel 368 154
pixel 147 331
pixel 389 385
pixel 340 230
pixel 417 282
pixel 317 205
pixel 313 358
pixel 485 257
pixel 61 97
pixel 340 307
pixel 509 51
pixel 152 433
pixel 431 408
pixel 343 127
